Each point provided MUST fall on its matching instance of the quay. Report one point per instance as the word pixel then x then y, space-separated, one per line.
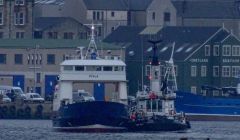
pixel 21 110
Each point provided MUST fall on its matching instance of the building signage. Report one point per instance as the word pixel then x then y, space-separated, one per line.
pixel 93 76
pixel 197 60
pixel 231 60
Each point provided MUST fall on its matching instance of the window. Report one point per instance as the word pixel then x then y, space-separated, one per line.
pixel 203 71
pixel 167 16
pixel 50 59
pixel 19 34
pixel 1 34
pixel 153 16
pixel 147 70
pixel 107 68
pixel 226 71
pixel 94 15
pixel 68 68
pixel 38 78
pixel 112 14
pixel 19 18
pixel 216 50
pixel 215 71
pixel 68 35
pixel 79 68
pixel 235 50
pixel 52 35
pixel 1 18
pixel 99 31
pixel 1 2
pixel 98 15
pixel 207 50
pixel 235 71
pixel 193 71
pixel 226 50
pixel 3 58
pixel 19 2
pixel 193 89
pixel 18 59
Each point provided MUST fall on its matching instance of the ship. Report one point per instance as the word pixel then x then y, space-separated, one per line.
pixel 91 94
pixel 154 108
pixel 211 104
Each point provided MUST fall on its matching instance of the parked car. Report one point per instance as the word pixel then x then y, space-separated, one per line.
pixel 34 98
pixel 82 96
pixel 14 93
pixel 5 98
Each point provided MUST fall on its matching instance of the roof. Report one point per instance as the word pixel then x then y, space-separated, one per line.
pixel 120 5
pixel 187 40
pixel 220 9
pixel 56 2
pixel 42 23
pixel 51 43
pixel 101 62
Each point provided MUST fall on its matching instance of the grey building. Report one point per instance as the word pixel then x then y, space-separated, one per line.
pixel 114 13
pixel 60 28
pixel 202 55
pixel 16 18
pixel 30 63
pixel 209 13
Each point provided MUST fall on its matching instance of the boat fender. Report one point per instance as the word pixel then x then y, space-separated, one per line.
pixel 20 113
pixel 27 112
pixel 39 108
pixel 12 111
pixel 5 111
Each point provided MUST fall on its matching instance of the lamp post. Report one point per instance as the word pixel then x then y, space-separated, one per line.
pixel 34 67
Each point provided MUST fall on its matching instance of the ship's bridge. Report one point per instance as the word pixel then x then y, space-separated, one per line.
pixel 93 70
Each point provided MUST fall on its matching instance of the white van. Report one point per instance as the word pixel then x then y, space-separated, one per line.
pixel 82 96
pixel 13 92
pixel 34 98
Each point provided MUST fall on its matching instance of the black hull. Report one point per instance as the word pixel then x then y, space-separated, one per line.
pixel 159 123
pixel 97 116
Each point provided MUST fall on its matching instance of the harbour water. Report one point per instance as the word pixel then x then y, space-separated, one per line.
pixel 42 130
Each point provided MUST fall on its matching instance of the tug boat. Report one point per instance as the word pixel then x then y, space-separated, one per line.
pixel 154 109
pixel 104 79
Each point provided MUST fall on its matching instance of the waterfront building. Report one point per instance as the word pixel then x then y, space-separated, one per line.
pixel 16 18
pixel 202 55
pixel 33 64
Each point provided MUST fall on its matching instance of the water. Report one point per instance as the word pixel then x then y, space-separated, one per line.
pixel 42 130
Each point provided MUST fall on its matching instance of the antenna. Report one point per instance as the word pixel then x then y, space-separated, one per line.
pixel 92 47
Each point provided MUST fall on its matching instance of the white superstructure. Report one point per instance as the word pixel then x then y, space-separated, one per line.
pixel 90 71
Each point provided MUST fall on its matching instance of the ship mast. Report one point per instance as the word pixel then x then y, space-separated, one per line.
pixel 155 69
pixel 92 52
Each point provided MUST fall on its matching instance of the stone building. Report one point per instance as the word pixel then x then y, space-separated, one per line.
pixel 16 18
pixel 30 63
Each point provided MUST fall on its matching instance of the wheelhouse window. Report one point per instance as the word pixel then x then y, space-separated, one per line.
pixel 93 68
pixel 68 68
pixel 51 59
pixel 107 68
pixel 118 68
pixel 79 68
pixel 3 58
pixel 226 50
pixel 112 14
pixel 235 50
pixel 215 71
pixel 216 50
pixel 18 59
pixel 226 71
pixel 207 50
pixel 193 71
pixel 19 18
